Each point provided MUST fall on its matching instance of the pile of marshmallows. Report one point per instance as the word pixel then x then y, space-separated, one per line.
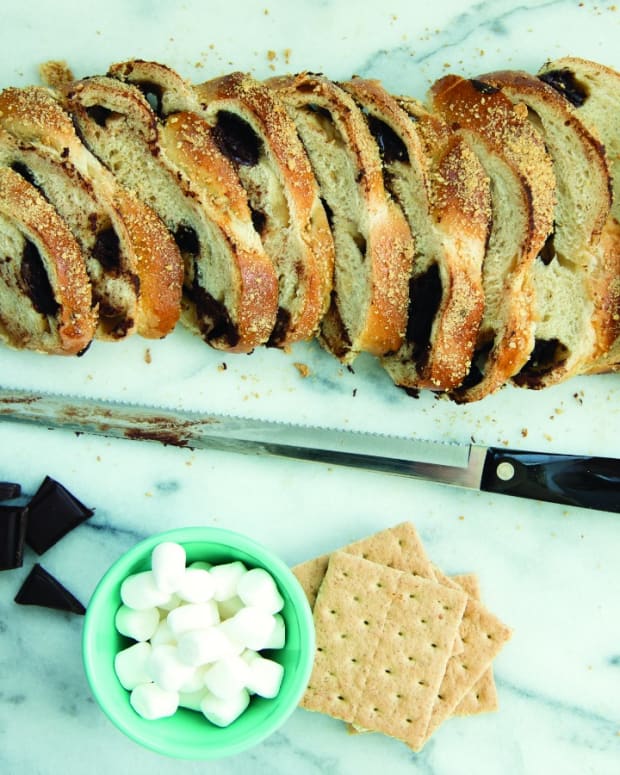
pixel 198 630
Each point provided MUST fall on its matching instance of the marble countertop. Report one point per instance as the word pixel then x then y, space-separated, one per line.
pixel 549 572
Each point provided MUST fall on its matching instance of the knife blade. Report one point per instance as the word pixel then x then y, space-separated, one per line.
pixel 577 480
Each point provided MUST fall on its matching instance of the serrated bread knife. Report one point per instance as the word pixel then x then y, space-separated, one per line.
pixel 576 480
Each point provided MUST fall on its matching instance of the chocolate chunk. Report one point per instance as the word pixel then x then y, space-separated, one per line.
pixel 53 512
pixel 281 326
pixel 99 114
pixel 565 82
pixel 35 281
pixel 41 588
pixel 9 490
pixel 107 250
pixel 13 522
pixel 187 240
pixel 391 146
pixel 236 139
pixel 214 320
pixel 425 293
pixel 482 87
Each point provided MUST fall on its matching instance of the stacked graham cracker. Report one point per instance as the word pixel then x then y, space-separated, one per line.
pixel 400 647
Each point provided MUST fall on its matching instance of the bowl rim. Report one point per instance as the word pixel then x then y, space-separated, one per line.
pixel 224 537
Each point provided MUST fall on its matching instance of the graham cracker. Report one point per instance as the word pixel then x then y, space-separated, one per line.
pixel 397 547
pixel 482 697
pixel 349 616
pixel 411 659
pixel 483 636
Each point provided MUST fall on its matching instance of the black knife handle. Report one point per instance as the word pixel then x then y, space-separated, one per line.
pixel 575 480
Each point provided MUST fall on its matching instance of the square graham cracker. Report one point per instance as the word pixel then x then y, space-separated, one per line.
pixel 397 547
pixel 384 638
pixel 483 636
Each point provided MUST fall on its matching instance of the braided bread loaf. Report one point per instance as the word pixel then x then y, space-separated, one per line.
pixel 466 243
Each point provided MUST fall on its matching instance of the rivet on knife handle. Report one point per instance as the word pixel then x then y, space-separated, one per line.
pixel 575 480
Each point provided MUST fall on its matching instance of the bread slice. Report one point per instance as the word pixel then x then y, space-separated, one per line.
pixel 594 93
pixel 134 265
pixel 523 200
pixel 173 164
pixel 374 245
pixel 252 127
pixel 573 324
pixel 444 193
pixel 45 294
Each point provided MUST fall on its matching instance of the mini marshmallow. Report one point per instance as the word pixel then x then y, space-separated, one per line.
pixel 163 635
pixel 139 591
pixel 234 647
pixel 201 564
pixel 223 712
pixel 168 566
pixel 139 625
pixel 200 647
pixel 278 636
pixel 192 700
pixel 257 588
pixel 251 626
pixel 151 701
pixel 130 665
pixel 195 682
pixel 226 677
pixel 229 607
pixel 196 585
pixel 193 616
pixel 226 578
pixel 166 670
pixel 174 601
pixel 264 675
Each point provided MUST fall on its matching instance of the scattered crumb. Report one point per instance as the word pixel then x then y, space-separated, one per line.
pixel 302 368
pixel 524 432
pixel 271 55
pixel 287 55
pixel 548 437
pixel 354 392
pixel 147 355
pixel 461 517
pixel 55 73
pixel 222 366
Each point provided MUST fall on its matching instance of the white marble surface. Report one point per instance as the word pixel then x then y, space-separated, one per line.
pixel 550 572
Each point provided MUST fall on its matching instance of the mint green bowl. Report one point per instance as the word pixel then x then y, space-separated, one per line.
pixel 187 734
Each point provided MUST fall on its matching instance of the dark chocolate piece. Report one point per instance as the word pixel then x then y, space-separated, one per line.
pixel 9 490
pixel 53 512
pixel 13 522
pixel 41 588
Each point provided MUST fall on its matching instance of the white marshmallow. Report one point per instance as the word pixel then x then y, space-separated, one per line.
pixel 278 636
pixel 226 677
pixel 166 670
pixel 130 665
pixel 163 635
pixel 201 564
pixel 139 625
pixel 226 577
pixel 229 607
pixel 264 675
pixel 223 712
pixel 192 700
pixel 200 647
pixel 196 585
pixel 234 648
pixel 151 701
pixel 174 601
pixel 139 591
pixel 193 616
pixel 257 588
pixel 251 626
pixel 195 681
pixel 168 566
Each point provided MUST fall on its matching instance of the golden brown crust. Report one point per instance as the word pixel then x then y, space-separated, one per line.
pixel 257 104
pixel 75 319
pixel 442 172
pixel 389 249
pixel 504 132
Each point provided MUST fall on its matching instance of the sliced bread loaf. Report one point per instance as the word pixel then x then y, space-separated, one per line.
pixel 374 244
pixel 134 265
pixel 174 165
pixel 252 128
pixel 443 191
pixel 45 293
pixel 573 326
pixel 593 90
pixel 523 199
